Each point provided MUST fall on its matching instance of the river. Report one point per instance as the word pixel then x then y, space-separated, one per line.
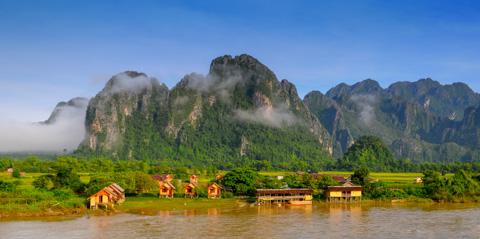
pixel 317 221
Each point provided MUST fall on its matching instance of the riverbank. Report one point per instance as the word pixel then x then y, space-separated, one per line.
pixel 149 205
pixel 134 205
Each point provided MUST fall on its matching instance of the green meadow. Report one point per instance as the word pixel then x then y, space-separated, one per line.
pixel 28 201
pixel 389 178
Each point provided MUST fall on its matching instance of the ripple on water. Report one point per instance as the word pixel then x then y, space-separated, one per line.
pixel 317 221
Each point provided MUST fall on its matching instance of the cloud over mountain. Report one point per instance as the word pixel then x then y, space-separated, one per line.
pixel 64 129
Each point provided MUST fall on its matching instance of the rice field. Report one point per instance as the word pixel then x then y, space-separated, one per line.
pixel 393 179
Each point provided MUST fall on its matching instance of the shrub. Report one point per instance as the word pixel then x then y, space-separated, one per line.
pixel 43 182
pixel 360 176
pixel 227 194
pixel 178 194
pixel 201 192
pixel 16 173
pixel 67 177
pixel 7 186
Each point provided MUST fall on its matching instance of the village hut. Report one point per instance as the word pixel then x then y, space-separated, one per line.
pixel 191 186
pixel 345 193
pixel 293 196
pixel 189 190
pixel 166 189
pixel 107 196
pixel 165 186
pixel 214 190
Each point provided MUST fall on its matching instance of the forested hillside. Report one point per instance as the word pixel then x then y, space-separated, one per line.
pixel 239 113
pixel 423 121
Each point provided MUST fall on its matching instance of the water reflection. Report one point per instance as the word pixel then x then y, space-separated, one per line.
pixel 320 220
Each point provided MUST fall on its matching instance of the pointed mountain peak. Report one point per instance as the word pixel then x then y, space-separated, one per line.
pixel 367 86
pixel 129 82
pixel 242 63
pixel 364 87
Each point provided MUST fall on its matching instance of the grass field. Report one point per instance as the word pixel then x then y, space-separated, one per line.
pixel 25 182
pixel 154 204
pixel 391 179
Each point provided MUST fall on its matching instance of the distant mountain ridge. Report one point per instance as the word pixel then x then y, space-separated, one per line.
pixel 241 113
pixel 422 120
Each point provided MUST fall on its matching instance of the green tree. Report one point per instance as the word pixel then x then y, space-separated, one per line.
pixel 361 176
pixel 326 181
pixel 16 173
pixel 370 152
pixel 43 182
pixel 67 177
pixel 7 186
pixel 144 183
pixel 435 185
pixel 242 181
pixel 462 184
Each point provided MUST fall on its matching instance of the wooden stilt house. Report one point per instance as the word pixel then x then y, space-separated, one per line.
pixel 107 196
pixel 346 193
pixel 214 190
pixel 190 190
pixel 293 196
pixel 165 186
pixel 190 187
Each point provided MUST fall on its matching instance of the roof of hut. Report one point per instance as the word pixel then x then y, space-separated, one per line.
pixel 214 183
pixel 284 191
pixel 163 177
pixel 168 184
pixel 113 189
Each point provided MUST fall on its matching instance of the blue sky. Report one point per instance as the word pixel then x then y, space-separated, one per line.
pixel 55 50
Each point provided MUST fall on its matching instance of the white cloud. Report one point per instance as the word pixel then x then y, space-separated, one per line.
pixel 125 82
pixel 66 132
pixel 366 106
pixel 269 116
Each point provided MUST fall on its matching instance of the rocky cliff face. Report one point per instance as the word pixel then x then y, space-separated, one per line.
pixel 331 117
pixel 241 112
pixel 232 112
pixel 465 132
pixel 414 118
pixel 446 101
pixel 125 94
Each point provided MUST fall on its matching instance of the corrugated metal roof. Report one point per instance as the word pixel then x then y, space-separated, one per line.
pixel 284 191
pixel 344 188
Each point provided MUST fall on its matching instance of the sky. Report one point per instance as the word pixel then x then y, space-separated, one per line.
pixel 52 51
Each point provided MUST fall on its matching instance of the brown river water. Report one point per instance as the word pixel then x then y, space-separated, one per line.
pixel 317 221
